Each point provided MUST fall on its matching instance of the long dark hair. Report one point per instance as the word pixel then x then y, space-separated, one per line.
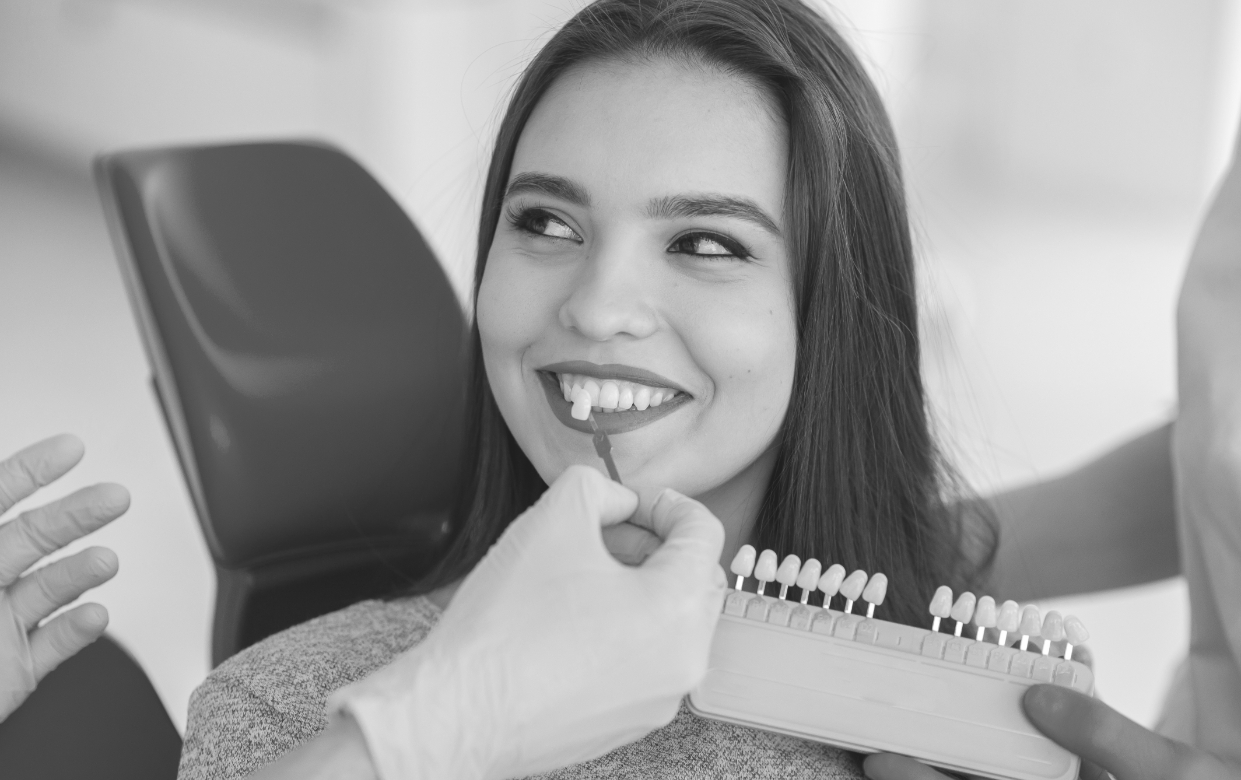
pixel 858 479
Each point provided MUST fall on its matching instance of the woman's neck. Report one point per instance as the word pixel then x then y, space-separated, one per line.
pixel 737 502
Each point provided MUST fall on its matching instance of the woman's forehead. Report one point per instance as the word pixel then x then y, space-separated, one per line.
pixel 631 133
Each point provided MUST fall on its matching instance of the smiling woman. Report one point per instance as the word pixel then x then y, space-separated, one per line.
pixel 694 219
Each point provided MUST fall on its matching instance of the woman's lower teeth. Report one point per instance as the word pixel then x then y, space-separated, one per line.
pixel 614 396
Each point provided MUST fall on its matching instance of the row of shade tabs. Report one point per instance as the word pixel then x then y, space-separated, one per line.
pixel 1006 618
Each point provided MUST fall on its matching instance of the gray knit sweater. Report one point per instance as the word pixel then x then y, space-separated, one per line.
pixel 269 698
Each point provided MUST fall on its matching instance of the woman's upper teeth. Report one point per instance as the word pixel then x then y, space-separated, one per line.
pixel 615 395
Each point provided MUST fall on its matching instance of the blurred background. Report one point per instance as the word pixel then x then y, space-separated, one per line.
pixel 1059 156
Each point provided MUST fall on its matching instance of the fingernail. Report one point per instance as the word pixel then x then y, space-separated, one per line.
pixel 1049 698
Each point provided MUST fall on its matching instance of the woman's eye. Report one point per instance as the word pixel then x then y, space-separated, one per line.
pixel 543 223
pixel 708 245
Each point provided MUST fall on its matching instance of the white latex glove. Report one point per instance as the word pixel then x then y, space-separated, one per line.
pixel 552 652
pixel 29 651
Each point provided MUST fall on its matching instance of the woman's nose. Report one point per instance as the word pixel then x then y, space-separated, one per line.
pixel 610 299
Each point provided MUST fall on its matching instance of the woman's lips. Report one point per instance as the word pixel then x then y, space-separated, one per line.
pixel 610 423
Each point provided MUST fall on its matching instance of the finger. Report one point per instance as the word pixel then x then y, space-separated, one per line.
pixel 44 530
pixel 693 537
pixel 36 466
pixel 42 592
pixel 630 544
pixel 585 492
pixel 64 635
pixel 890 766
pixel 1100 734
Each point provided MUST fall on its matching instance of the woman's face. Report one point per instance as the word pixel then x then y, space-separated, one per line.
pixel 640 255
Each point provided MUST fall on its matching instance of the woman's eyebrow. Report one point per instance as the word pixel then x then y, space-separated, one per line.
pixel 673 206
pixel 546 184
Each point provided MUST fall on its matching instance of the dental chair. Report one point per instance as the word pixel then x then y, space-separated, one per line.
pixel 307 354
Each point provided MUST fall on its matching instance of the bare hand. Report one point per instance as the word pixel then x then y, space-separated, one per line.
pixel 29 651
pixel 1107 742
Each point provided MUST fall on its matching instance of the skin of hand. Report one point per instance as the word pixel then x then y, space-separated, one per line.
pixel 1108 743
pixel 31 650
pixel 550 653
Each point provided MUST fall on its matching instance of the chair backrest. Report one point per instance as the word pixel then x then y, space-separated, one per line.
pixel 307 350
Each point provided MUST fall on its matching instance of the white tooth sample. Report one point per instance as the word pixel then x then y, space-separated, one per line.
pixel 874 594
pixel 1031 622
pixel 765 569
pixel 984 615
pixel 941 605
pixel 626 398
pixel 1076 634
pixel 743 563
pixel 963 610
pixel 575 384
pixel 609 395
pixel 1052 630
pixel 657 397
pixel 1075 631
pixel 581 404
pixel 852 588
pixel 1008 619
pixel 786 575
pixel 592 387
pixel 808 578
pixel 829 583
pixel 642 399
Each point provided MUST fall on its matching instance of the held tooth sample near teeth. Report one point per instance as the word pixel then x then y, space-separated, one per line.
pixel 618 395
pixel 786 575
pixel 581 404
pixel 1075 633
pixel 963 611
pixel 984 615
pixel 829 583
pixel 1053 629
pixel 765 569
pixel 941 605
pixel 743 564
pixel 1031 622
pixel 1008 620
pixel 852 588
pixel 808 578
pixel 874 594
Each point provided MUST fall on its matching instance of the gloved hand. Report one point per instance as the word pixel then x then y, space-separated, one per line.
pixel 29 651
pixel 552 652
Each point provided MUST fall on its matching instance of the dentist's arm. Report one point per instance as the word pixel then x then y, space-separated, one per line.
pixel 551 652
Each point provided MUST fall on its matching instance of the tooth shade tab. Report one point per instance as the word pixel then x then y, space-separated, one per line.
pixel 1031 621
pixel 830 582
pixel 581 404
pixel 1053 626
pixel 808 577
pixel 1009 617
pixel 1075 631
pixel 876 590
pixel 941 603
pixel 765 569
pixel 743 564
pixel 963 609
pixel 853 585
pixel 786 575
pixel 984 613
